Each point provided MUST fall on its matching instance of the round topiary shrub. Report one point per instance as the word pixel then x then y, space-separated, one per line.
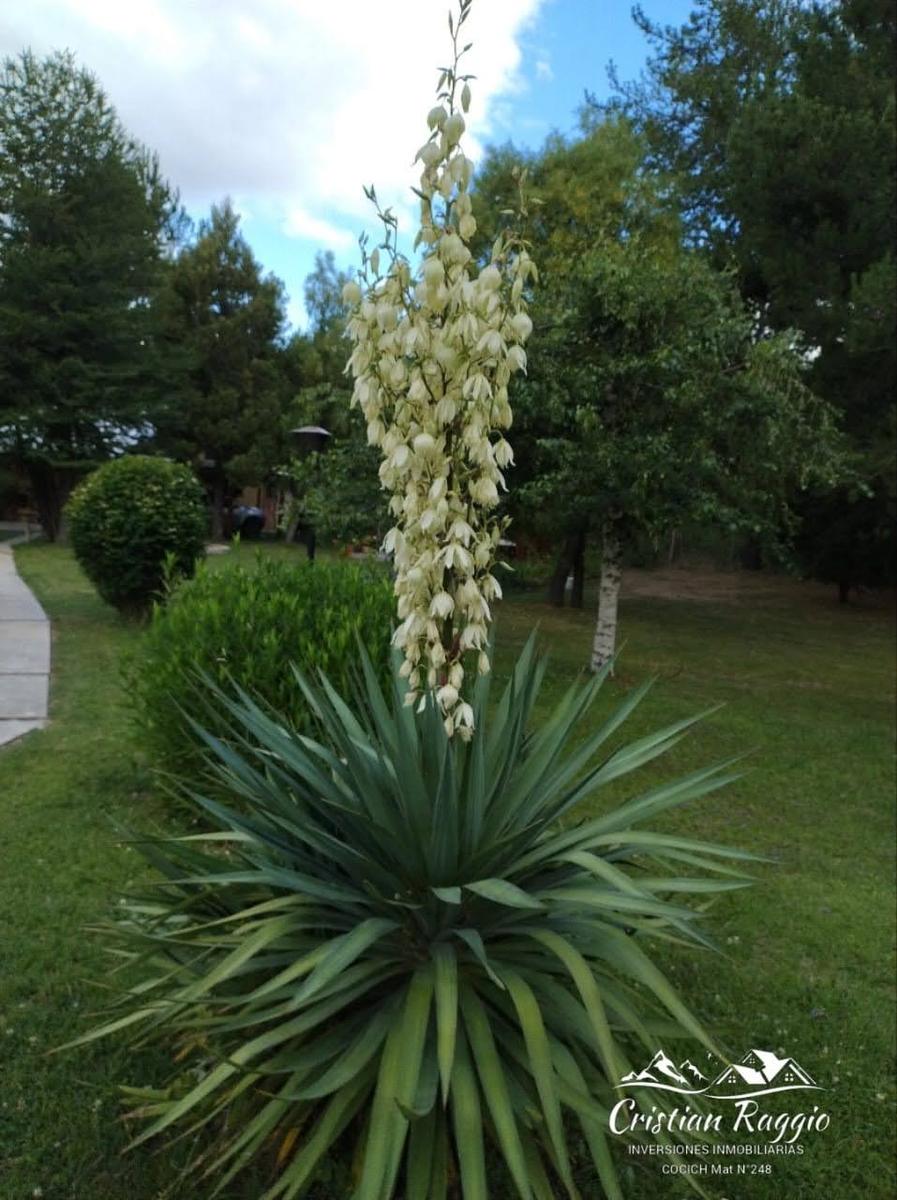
pixel 248 626
pixel 131 522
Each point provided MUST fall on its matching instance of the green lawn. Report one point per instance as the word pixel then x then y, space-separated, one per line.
pixel 808 968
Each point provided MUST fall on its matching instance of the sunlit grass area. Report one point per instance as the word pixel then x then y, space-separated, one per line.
pixel 807 963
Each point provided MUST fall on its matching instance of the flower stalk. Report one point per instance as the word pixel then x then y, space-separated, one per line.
pixel 434 352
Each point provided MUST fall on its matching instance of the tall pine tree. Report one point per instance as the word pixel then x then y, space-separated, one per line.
pixel 224 320
pixel 85 222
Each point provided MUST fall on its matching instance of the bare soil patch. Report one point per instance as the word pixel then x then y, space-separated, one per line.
pixel 739 587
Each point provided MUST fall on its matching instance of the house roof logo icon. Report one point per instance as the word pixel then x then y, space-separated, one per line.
pixel 758 1073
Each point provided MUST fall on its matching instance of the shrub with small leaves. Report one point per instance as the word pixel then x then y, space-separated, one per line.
pixel 133 521
pixel 249 626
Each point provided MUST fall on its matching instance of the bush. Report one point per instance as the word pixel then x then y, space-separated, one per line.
pixel 338 493
pixel 415 941
pixel 132 522
pixel 248 627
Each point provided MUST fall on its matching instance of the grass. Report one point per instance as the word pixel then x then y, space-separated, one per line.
pixel 808 964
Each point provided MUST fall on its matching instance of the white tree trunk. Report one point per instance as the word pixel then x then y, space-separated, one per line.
pixel 605 640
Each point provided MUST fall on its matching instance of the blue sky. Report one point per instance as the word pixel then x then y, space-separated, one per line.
pixel 564 52
pixel 290 106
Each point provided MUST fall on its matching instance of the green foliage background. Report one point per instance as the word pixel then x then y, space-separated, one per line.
pixel 221 319
pixel 87 221
pixel 655 398
pixel 776 119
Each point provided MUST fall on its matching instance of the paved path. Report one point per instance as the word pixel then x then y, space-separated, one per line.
pixel 24 654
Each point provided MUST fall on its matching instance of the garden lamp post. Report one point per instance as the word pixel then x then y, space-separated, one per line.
pixel 309 439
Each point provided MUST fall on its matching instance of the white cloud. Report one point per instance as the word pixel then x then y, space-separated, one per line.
pixel 290 104
pixel 299 223
pixel 543 69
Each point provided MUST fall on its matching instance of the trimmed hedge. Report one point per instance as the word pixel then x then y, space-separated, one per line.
pixel 133 523
pixel 248 626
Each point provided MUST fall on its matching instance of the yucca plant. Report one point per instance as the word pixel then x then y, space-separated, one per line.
pixel 412 942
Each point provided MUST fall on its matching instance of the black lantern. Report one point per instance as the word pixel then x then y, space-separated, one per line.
pixel 311 439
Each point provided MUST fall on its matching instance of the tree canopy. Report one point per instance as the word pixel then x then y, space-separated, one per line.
pixel 777 119
pixel 338 491
pixel 225 319
pixel 653 388
pixel 655 394
pixel 86 220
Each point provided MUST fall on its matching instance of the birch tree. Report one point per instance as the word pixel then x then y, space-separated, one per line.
pixel 654 398
pixel 671 409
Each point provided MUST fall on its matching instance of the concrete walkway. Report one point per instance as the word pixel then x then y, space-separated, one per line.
pixel 24 654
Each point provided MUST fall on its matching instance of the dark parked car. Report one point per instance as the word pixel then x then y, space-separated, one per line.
pixel 248 521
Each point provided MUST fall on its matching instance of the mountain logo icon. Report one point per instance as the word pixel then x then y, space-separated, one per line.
pixel 661 1070
pixel 689 1069
pixel 758 1073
